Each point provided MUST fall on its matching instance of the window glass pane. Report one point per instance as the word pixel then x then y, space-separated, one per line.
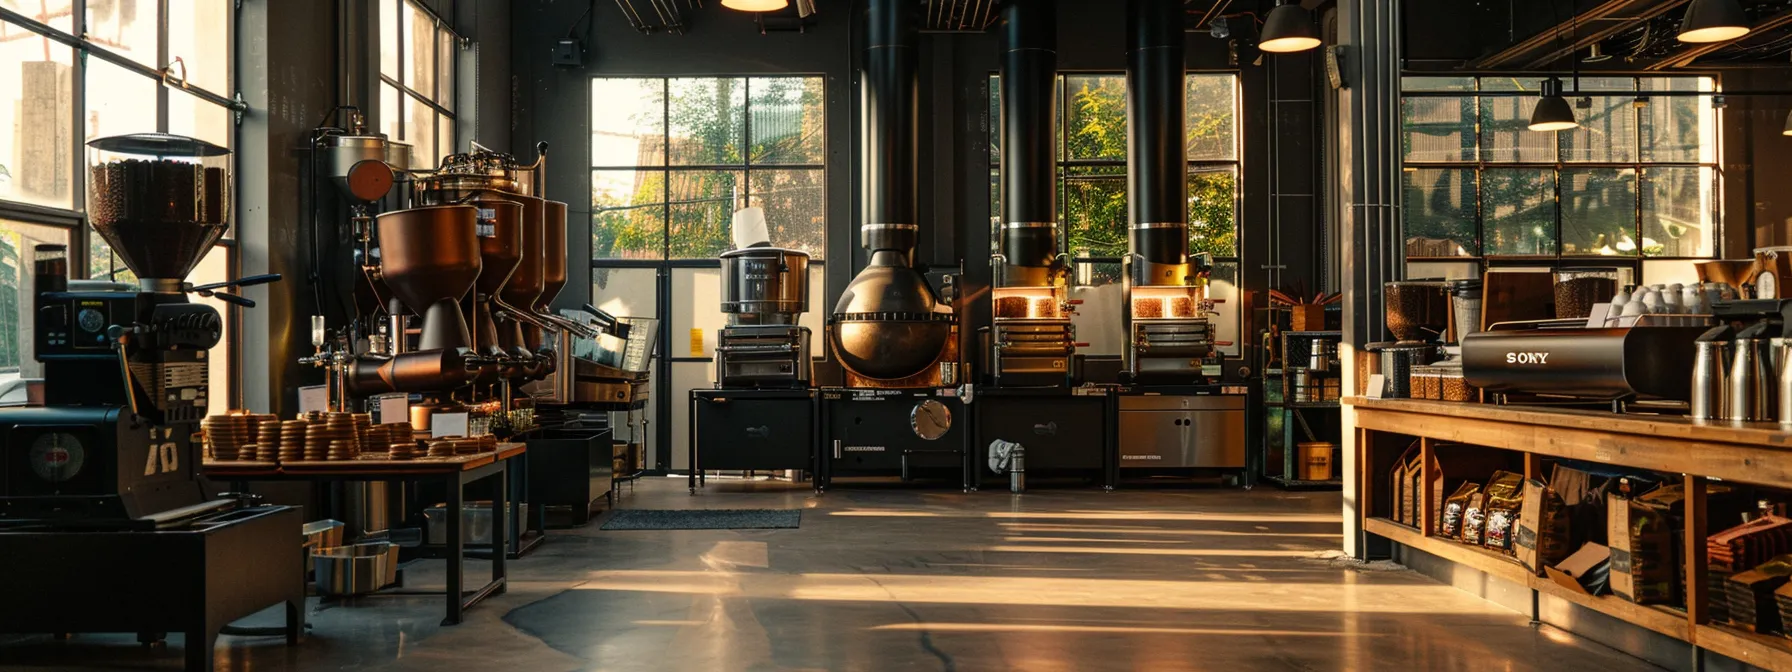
pixel 787 123
pixel 794 202
pixel 58 14
pixel 1212 212
pixel 215 267
pixel 1599 211
pixel 102 264
pixel 1222 287
pixel 1679 212
pixel 389 37
pixel 1095 210
pixel 630 292
pixel 192 117
pixel 17 254
pixel 1505 121
pixel 445 135
pixel 706 120
pixel 1607 131
pixel 702 208
pixel 1679 128
pixel 1437 83
pixel 1438 129
pixel 390 113
pixel 419 50
pixel 1210 124
pixel 118 101
pixel 1518 210
pixel 1439 212
pixel 445 55
pixel 37 161
pixel 420 131
pixel 628 122
pixel 628 214
pixel 995 118
pixel 126 27
pixel 1097 117
pixel 199 35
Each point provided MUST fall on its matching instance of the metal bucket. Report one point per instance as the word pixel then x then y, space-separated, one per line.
pixel 320 534
pixel 357 569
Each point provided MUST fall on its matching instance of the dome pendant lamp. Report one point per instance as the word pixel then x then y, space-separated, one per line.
pixel 1552 112
pixel 1289 28
pixel 1713 21
pixel 756 5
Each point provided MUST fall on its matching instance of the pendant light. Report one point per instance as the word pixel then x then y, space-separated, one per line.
pixel 1788 129
pixel 756 5
pixel 1713 21
pixel 1552 112
pixel 1289 28
pixel 1596 55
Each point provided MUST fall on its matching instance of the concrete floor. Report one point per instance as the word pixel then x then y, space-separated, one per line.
pixel 881 578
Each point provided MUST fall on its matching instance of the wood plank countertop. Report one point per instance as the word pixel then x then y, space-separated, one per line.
pixel 363 468
pixel 1749 452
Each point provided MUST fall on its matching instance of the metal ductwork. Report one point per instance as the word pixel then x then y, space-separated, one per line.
pixel 889 324
pixel 1029 226
pixel 1156 182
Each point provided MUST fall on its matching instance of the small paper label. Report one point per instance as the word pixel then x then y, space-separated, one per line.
pixel 314 398
pixel 394 408
pixel 448 424
pixel 1378 385
pixel 697 343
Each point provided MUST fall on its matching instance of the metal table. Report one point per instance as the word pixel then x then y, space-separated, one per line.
pixel 453 472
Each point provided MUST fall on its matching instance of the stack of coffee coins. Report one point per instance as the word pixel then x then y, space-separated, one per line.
pixel 442 447
pixel 340 450
pixel 267 439
pixel 406 450
pixel 487 443
pixel 364 431
pixel 225 435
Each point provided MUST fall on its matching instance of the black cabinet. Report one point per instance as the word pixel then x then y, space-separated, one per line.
pixel 752 430
pixel 1061 431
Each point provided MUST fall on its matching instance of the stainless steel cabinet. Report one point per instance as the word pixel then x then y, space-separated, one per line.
pixel 1163 431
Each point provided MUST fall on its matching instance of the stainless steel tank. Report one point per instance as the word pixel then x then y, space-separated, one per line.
pixel 765 285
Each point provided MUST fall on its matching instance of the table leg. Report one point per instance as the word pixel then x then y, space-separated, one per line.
pixel 500 520
pixel 691 448
pixel 456 551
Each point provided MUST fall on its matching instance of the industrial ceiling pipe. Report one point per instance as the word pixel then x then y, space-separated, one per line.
pixel 1156 178
pixel 889 324
pixel 1029 236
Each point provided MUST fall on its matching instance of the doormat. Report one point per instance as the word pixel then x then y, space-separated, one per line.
pixel 704 519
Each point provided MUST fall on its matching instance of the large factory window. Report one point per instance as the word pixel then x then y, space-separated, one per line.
pixel 417 78
pixel 1637 179
pixel 17 241
pixel 1091 128
pixel 673 158
pixel 142 65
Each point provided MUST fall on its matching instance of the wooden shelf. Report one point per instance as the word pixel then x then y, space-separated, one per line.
pixel 1492 563
pixel 1772 652
pixel 1665 621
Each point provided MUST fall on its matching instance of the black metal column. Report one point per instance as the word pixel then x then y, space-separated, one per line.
pixel 1029 224
pixel 1156 109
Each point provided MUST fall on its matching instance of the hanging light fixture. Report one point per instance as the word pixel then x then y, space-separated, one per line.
pixel 1713 21
pixel 756 5
pixel 1289 28
pixel 1596 55
pixel 1552 112
pixel 1788 129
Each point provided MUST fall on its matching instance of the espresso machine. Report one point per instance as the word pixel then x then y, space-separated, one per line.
pixel 105 522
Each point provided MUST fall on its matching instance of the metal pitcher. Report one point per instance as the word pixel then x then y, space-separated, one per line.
pixel 1709 371
pixel 1752 382
pixel 1785 381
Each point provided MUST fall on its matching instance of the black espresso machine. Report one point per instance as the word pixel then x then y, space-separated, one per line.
pixel 105 524
pixel 1562 361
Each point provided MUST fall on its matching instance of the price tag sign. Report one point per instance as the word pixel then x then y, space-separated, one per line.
pixel 394 408
pixel 1378 385
pixel 314 398
pixel 448 424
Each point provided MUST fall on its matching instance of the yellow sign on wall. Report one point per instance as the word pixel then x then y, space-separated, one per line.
pixel 697 343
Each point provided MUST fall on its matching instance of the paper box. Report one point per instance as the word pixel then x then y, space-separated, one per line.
pixel 1541 539
pixel 1644 569
pixel 1581 569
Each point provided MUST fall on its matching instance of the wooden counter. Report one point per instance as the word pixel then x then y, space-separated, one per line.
pixel 1757 453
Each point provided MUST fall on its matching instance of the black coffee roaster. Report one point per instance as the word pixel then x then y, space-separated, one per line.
pixel 1558 358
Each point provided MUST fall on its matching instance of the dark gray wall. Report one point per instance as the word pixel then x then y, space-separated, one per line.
pixel 552 104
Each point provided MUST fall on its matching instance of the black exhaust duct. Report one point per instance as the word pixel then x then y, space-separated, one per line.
pixel 1029 236
pixel 1157 180
pixel 889 324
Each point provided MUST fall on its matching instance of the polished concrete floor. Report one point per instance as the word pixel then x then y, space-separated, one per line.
pixel 881 578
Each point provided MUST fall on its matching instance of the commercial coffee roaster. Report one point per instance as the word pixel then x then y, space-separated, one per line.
pixel 105 525
pixel 1172 413
pixel 894 334
pixel 1031 415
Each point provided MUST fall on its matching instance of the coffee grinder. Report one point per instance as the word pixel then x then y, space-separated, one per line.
pixel 105 525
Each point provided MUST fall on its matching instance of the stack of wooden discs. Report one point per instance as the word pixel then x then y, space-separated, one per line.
pixel 341 450
pixel 267 439
pixel 292 441
pixel 487 443
pixel 363 431
pixel 226 435
pixel 442 447
pixel 404 450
